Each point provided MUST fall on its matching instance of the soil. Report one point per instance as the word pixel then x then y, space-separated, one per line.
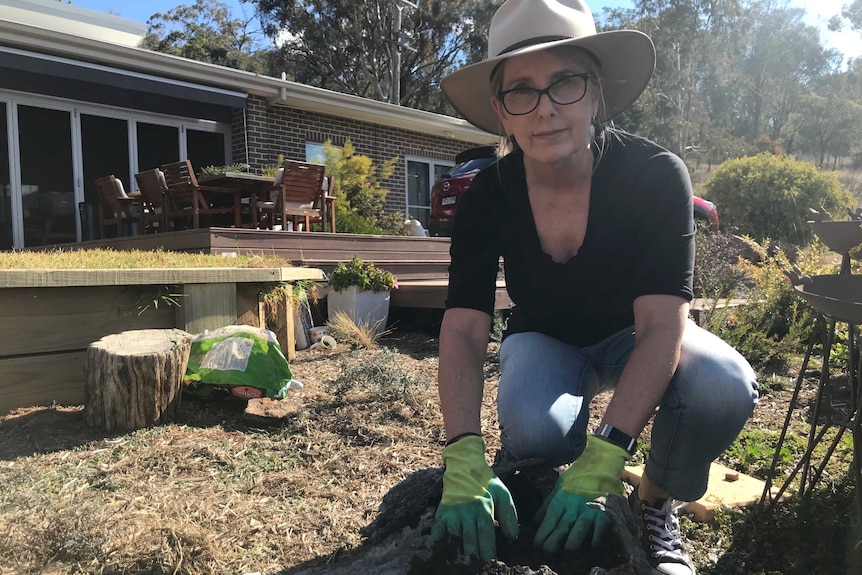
pixel 217 492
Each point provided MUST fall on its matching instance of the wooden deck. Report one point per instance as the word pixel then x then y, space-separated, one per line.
pixel 420 264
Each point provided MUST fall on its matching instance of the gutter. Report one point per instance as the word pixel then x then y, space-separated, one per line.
pixel 274 90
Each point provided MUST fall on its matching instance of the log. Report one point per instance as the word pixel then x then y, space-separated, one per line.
pixel 398 541
pixel 135 378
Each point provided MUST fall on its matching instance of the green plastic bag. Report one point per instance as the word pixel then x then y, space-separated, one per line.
pixel 238 360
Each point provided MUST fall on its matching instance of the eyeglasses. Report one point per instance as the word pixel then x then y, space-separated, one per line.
pixel 567 90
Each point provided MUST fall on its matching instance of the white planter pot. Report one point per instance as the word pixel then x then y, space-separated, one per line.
pixel 368 308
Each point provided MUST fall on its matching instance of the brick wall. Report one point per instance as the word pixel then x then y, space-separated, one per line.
pixel 238 136
pixel 273 130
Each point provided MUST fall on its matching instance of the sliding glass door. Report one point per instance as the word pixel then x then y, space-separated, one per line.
pixel 205 149
pixel 52 151
pixel 104 152
pixel 47 178
pixel 157 145
pixel 6 240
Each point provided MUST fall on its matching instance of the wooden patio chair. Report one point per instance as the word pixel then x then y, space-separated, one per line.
pixel 326 203
pixel 115 207
pixel 187 200
pixel 152 186
pixel 299 196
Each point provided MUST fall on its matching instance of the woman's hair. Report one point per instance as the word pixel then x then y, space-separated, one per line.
pixel 584 60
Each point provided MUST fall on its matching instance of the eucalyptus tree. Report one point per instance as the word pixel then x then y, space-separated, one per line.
pixel 349 46
pixel 829 123
pixel 850 16
pixel 780 63
pixel 207 31
pixel 689 36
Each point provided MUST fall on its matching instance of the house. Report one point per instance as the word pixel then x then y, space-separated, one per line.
pixel 80 100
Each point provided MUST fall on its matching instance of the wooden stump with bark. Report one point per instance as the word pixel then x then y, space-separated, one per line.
pixel 135 378
pixel 398 540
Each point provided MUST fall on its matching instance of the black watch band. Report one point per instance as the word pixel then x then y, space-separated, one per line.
pixel 612 434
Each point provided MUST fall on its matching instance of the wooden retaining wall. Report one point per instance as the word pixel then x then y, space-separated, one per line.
pixel 50 317
pixel 420 264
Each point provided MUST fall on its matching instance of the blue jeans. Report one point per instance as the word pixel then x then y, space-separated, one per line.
pixel 546 387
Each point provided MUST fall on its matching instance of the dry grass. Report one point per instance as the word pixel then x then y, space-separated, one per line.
pixel 117 259
pixel 208 493
pixel 213 494
pixel 363 335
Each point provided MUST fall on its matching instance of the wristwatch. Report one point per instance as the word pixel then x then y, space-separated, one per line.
pixel 612 434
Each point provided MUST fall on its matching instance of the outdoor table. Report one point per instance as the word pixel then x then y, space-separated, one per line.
pixel 248 186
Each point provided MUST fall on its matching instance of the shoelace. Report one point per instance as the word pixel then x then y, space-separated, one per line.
pixel 663 527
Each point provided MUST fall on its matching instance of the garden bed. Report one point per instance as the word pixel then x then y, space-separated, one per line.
pixel 51 316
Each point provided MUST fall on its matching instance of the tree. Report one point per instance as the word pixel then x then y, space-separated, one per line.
pixel 828 125
pixel 206 31
pixel 674 108
pixel 349 46
pixel 782 59
pixel 851 15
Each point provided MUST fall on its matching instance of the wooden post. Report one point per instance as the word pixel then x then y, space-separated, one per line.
pixel 135 378
pixel 279 320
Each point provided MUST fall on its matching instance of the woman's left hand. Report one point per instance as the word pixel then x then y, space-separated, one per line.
pixel 567 518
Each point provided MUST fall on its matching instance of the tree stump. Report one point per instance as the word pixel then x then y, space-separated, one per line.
pixel 135 378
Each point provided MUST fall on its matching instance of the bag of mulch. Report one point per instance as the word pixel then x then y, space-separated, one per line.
pixel 238 360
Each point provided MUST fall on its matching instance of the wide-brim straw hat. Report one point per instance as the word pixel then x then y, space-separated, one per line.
pixel 626 58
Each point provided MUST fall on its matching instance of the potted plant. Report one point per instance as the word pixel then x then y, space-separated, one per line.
pixel 360 290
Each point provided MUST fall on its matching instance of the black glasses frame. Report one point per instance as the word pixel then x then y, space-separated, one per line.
pixel 501 95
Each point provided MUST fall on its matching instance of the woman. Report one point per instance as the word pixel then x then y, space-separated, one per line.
pixel 595 229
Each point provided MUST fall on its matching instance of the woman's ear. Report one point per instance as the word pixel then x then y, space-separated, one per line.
pixel 595 107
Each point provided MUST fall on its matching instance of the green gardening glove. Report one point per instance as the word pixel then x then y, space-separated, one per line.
pixel 567 519
pixel 472 496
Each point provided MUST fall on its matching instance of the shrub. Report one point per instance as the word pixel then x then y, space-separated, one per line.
pixel 271 169
pixel 776 321
pixel 356 183
pixel 716 274
pixel 228 169
pixel 767 196
pixel 364 275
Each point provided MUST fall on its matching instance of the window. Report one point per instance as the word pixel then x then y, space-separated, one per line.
pixel 421 175
pixel 314 153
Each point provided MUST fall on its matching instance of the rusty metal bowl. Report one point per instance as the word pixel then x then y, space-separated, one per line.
pixel 838 296
pixel 840 237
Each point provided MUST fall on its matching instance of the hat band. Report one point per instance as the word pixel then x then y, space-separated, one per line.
pixel 533 42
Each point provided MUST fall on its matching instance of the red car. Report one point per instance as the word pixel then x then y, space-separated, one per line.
pixel 447 191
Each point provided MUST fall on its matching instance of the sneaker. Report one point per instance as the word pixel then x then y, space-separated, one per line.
pixel 660 535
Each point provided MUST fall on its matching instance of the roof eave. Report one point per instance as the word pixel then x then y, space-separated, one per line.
pixel 274 90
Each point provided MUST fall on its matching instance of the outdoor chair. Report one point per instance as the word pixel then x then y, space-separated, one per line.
pixel 300 195
pixel 186 200
pixel 326 203
pixel 152 187
pixel 115 207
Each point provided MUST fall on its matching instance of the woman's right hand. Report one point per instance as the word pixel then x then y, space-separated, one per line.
pixel 472 497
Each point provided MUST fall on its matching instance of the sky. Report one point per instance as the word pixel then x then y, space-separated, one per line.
pixel 818 13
